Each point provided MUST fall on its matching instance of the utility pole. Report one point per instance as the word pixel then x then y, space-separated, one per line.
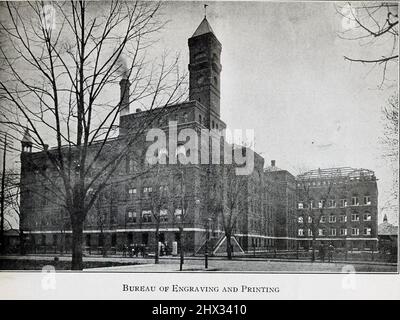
pixel 3 180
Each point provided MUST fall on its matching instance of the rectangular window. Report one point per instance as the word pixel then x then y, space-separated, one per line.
pixel 355 217
pixel 300 205
pixel 132 216
pixel 343 232
pixel 367 217
pixel 301 232
pixel 163 215
pixel 355 231
pixel 300 219
pixel 367 200
pixel 332 219
pixel 343 203
pixel 332 203
pixel 332 232
pixel 321 232
pixel 147 190
pixel 132 191
pixel 311 204
pixel 367 231
pixel 321 204
pixel 309 232
pixel 146 216
pixel 342 218
pixel 178 214
pixel 354 201
pixel 323 219
pixel 309 219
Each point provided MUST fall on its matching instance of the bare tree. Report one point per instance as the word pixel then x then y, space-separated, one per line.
pixel 59 68
pixel 390 141
pixel 372 24
pixel 314 201
pixel 234 193
pixel 158 191
pixel 11 207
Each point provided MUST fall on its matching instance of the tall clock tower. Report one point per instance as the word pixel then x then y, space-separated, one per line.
pixel 205 67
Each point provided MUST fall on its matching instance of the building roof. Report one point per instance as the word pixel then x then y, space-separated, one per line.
pixel 203 28
pixel 339 172
pixel 27 137
pixel 387 229
pixel 11 233
pixel 273 169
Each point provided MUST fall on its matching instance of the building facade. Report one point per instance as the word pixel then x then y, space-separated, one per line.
pixel 184 203
pixel 175 199
pixel 281 197
pixel 338 206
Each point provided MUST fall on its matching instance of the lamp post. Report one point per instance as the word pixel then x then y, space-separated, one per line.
pixel 206 246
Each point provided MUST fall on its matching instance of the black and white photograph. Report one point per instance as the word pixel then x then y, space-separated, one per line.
pixel 199 137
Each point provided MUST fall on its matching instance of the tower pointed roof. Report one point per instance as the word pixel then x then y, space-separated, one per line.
pixel 203 28
pixel 27 137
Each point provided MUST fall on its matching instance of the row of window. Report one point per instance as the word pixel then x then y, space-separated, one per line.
pixel 147 216
pixel 333 232
pixel 341 218
pixel 331 203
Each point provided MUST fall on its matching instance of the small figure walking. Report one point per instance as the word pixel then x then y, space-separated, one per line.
pixel 331 249
pixel 322 252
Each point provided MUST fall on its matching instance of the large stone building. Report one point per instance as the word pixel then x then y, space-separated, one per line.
pixel 281 198
pixel 125 211
pixel 340 206
pixel 183 201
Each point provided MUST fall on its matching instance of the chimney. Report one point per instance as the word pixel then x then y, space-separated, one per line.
pixel 124 87
pixel 272 163
pixel 46 147
pixel 138 110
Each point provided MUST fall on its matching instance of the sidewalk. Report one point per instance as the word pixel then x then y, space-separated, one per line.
pixel 175 259
pixel 217 264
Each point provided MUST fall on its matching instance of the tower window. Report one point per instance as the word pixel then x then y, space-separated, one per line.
pixel 200 119
pixel 215 80
pixel 213 125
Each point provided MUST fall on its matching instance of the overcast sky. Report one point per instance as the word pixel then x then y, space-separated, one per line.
pixel 284 75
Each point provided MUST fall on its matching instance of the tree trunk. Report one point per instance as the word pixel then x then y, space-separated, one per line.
pixel 156 259
pixel 313 248
pixel 228 246
pixel 77 237
pixel 181 248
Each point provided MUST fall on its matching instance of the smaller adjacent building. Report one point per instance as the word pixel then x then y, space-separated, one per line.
pixel 281 201
pixel 338 206
pixel 388 237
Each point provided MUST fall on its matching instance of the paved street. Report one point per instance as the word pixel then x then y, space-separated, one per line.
pixel 216 264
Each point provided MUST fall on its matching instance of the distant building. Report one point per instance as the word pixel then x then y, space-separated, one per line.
pixel 343 202
pixel 388 236
pixel 281 199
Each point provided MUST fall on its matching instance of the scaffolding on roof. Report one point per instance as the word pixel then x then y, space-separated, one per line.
pixel 340 172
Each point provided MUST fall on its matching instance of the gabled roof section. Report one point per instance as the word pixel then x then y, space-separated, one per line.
pixel 203 28
pixel 27 137
pixel 387 229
